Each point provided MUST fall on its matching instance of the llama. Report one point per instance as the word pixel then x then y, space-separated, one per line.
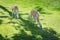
pixel 15 11
pixel 35 16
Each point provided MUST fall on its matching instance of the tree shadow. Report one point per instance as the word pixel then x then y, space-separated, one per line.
pixel 45 34
pixel 56 8
pixel 38 8
pixel 23 36
pixel 3 38
pixel 2 13
pixel 5 9
pixel 23 13
pixel 3 16
pixel 41 10
pixel 49 34
pixel 1 21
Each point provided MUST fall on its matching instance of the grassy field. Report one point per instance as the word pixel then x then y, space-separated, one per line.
pixel 22 28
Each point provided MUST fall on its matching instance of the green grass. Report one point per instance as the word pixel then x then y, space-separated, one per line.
pixel 22 28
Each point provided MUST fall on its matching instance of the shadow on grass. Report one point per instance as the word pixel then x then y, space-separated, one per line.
pixel 2 7
pixel 23 13
pixel 49 34
pixel 3 38
pixel 23 36
pixel 38 8
pixel 2 13
pixel 41 10
pixel 1 21
pixel 57 8
pixel 3 16
pixel 45 34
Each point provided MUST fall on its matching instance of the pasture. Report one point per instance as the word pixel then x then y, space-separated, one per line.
pixel 23 28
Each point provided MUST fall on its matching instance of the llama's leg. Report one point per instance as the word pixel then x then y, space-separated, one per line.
pixel 17 15
pixel 12 13
pixel 39 23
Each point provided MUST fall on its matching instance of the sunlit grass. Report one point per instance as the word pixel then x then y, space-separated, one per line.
pixel 7 30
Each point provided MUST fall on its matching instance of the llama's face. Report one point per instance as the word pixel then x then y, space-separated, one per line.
pixel 14 8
